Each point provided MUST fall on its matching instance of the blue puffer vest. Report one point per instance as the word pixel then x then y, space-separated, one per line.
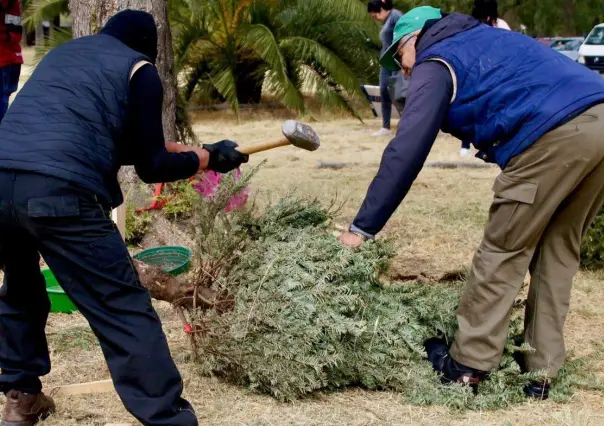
pixel 510 89
pixel 68 119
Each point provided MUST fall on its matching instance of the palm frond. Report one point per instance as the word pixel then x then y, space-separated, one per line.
pixel 188 38
pixel 57 37
pixel 38 11
pixel 260 39
pixel 324 93
pixel 224 81
pixel 318 57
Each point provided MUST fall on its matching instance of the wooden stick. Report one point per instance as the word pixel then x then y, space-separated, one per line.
pixel 100 386
pixel 263 146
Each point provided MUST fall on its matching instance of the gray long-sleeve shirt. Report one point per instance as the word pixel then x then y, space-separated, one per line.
pixel 387 32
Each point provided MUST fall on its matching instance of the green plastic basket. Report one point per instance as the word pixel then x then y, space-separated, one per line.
pixel 174 260
pixel 59 301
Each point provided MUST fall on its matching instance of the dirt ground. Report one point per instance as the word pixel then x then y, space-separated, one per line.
pixel 436 229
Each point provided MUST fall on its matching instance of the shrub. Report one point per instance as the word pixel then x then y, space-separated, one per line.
pixel 179 198
pixel 592 248
pixel 137 225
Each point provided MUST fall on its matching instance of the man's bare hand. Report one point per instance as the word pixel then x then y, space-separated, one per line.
pixel 351 240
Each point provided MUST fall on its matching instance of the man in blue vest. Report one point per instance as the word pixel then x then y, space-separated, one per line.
pixel 537 115
pixel 91 106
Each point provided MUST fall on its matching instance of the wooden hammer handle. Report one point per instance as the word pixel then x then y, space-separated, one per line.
pixel 262 146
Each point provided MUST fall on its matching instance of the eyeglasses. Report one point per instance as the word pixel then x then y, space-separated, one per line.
pixel 398 56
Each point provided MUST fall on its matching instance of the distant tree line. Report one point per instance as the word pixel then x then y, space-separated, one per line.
pixel 542 18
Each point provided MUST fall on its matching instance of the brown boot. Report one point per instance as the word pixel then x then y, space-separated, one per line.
pixel 23 409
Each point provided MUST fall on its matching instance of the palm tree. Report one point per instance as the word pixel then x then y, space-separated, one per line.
pixel 233 49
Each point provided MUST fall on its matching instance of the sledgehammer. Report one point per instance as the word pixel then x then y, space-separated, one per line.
pixel 295 133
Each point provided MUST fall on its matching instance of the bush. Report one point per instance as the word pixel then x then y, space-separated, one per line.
pixel 179 198
pixel 592 248
pixel 137 225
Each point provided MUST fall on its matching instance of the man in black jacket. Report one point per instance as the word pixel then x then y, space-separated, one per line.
pixel 91 106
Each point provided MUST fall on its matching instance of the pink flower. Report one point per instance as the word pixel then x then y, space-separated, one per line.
pixel 208 184
pixel 237 201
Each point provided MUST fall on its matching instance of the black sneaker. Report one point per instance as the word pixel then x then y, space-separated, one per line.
pixel 451 370
pixel 537 389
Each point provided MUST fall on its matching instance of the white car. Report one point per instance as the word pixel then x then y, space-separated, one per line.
pixel 591 52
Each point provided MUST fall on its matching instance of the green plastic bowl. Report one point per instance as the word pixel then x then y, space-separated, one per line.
pixel 59 301
pixel 174 260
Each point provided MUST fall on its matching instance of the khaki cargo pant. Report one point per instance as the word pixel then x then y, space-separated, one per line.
pixel 545 200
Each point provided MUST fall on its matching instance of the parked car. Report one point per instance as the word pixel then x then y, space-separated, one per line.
pixel 591 52
pixel 545 40
pixel 568 46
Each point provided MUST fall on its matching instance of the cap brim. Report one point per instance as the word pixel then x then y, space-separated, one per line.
pixel 387 60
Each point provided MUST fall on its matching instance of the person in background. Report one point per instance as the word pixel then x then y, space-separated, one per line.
pixel 382 11
pixel 11 58
pixel 486 11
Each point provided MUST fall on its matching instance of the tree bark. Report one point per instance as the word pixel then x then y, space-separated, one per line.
pixel 89 16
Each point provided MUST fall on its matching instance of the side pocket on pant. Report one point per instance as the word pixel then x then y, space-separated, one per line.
pixel 109 250
pixel 113 259
pixel 511 213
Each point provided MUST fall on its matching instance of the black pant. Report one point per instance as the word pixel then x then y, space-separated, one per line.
pixel 80 243
pixel 9 83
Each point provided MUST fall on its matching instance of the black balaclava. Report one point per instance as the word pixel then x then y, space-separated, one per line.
pixel 136 29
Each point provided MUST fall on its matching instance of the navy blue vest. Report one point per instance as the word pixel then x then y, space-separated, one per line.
pixel 69 118
pixel 510 89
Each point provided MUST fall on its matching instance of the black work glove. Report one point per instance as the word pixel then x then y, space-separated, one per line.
pixel 224 157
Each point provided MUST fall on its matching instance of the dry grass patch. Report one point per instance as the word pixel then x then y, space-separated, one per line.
pixel 436 231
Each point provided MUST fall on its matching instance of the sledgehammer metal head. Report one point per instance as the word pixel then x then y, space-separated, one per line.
pixel 300 135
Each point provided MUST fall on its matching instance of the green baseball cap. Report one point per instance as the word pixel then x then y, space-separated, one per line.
pixel 410 22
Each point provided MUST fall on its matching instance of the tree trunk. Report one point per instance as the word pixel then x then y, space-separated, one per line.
pixel 249 82
pixel 89 16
